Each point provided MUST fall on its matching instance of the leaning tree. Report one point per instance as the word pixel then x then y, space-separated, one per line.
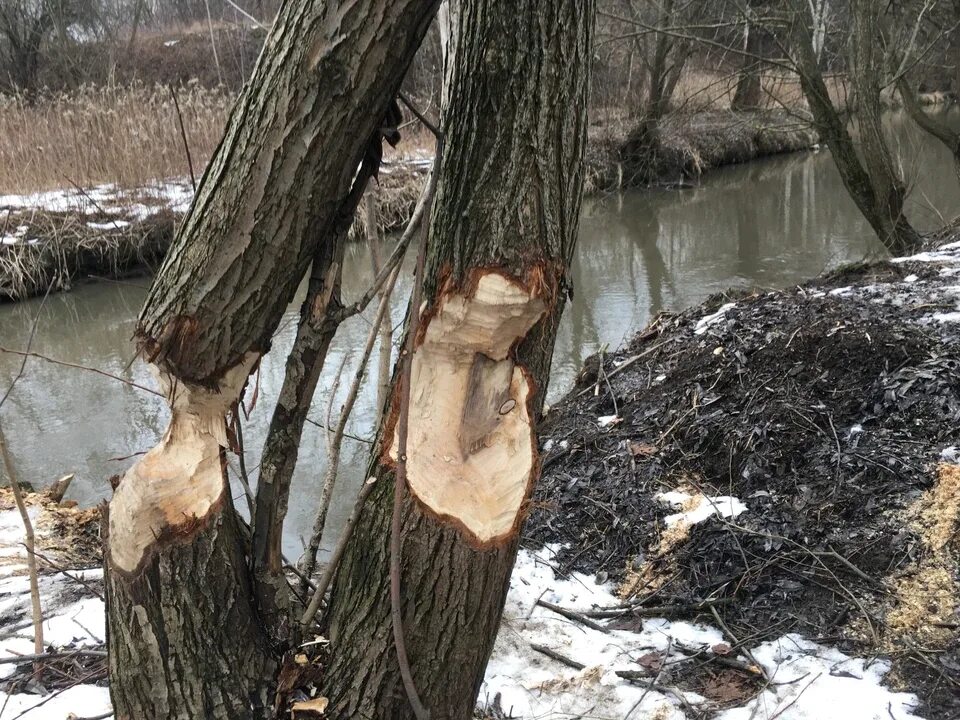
pixel 456 457
pixel 186 639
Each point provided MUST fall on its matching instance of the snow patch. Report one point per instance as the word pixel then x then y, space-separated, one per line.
pixel 113 225
pixel 808 681
pixel 708 320
pixel 697 508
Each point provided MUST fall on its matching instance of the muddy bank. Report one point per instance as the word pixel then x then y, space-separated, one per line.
pixel 780 462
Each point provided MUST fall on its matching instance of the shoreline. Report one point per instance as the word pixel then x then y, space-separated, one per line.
pixel 780 462
pixel 632 496
pixel 61 238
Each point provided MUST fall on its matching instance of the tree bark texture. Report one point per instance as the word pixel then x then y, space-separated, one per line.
pixel 319 320
pixel 748 94
pixel 187 640
pixel 504 224
pixel 889 190
pixel 292 146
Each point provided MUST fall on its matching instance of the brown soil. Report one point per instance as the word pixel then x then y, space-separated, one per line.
pixel 826 414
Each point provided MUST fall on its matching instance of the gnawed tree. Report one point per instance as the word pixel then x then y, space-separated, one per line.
pixel 186 638
pixel 496 278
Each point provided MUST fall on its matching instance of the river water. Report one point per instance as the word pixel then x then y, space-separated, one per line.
pixel 767 224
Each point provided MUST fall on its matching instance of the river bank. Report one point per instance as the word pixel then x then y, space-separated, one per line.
pixel 56 239
pixel 752 507
pixel 780 463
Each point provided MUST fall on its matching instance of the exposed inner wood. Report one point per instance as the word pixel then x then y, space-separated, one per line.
pixel 173 488
pixel 470 448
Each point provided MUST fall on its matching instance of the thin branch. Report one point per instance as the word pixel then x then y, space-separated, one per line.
pixel 423 205
pixel 30 544
pixel 183 137
pixel 328 572
pixel 420 116
pixel 33 332
pixel 75 578
pixel 309 561
pixel 26 353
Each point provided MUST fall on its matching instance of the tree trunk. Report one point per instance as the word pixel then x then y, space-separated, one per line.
pixel 889 190
pixel 874 184
pixel 500 244
pixel 185 633
pixel 749 92
pixel 931 124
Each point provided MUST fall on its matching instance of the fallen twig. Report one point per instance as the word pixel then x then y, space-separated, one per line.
pixel 557 656
pixel 656 679
pixel 335 443
pixel 572 615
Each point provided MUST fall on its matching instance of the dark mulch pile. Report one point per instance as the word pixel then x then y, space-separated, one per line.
pixel 824 412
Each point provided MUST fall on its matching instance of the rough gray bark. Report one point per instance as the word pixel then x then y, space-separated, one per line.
pixel 873 182
pixel 187 639
pixel 290 151
pixel 507 203
pixel 749 91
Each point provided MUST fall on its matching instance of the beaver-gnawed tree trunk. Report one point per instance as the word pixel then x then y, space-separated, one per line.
pixel 186 640
pixel 500 243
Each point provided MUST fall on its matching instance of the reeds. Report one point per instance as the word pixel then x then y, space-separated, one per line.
pixel 123 135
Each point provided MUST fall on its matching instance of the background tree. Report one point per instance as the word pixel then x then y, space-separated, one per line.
pixel 457 479
pixel 870 174
pixel 186 640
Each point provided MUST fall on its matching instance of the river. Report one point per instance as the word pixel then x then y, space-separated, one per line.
pixel 767 224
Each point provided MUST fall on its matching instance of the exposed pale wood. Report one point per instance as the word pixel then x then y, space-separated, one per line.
pixel 507 207
pixel 187 638
pixel 471 448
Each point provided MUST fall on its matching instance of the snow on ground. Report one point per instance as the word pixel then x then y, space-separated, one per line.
pixel 808 681
pixel 78 701
pixel 73 619
pixel 707 320
pixel 124 205
pixel 697 508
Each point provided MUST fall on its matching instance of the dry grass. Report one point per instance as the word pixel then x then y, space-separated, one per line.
pixel 68 249
pixel 123 135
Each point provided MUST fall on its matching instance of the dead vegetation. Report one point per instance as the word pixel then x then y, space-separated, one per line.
pixel 126 135
pixel 825 409
pixel 59 249
pixel 689 145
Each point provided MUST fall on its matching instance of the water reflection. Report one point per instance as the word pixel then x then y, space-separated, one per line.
pixel 767 224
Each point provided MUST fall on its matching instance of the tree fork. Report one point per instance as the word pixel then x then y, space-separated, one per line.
pixel 186 637
pixel 501 239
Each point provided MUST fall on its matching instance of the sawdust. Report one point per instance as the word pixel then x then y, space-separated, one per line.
pixel 66 535
pixel 937 513
pixel 925 603
pixel 586 677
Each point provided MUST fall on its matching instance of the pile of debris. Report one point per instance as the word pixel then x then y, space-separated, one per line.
pixel 780 462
